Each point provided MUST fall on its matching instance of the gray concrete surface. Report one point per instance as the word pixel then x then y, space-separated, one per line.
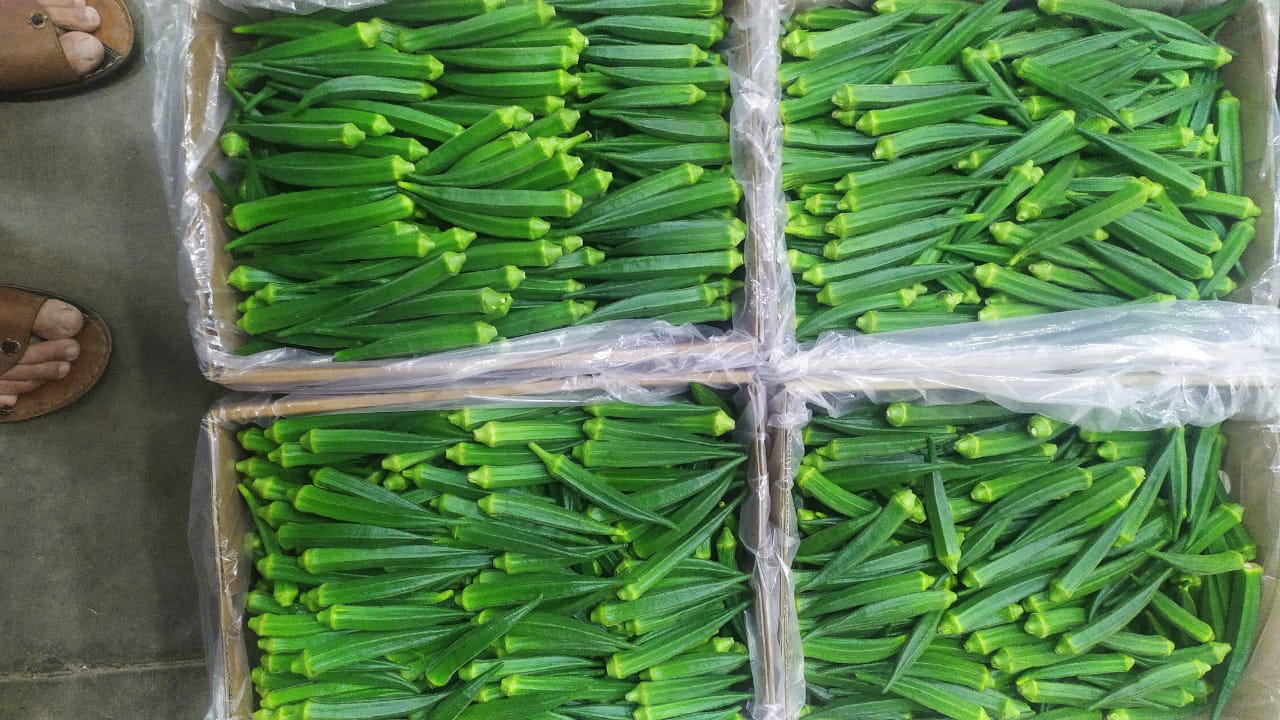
pixel 98 599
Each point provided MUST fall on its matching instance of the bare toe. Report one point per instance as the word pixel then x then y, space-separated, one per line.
pixel 18 387
pixel 38 371
pixel 73 15
pixel 56 320
pixel 61 350
pixel 8 401
pixel 83 51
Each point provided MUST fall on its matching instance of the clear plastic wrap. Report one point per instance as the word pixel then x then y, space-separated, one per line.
pixel 190 108
pixel 1251 76
pixel 219 524
pixel 1251 464
pixel 1140 366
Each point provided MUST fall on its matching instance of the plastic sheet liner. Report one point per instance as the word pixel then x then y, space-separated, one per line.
pixel 190 108
pixel 219 525
pixel 1251 76
pixel 1251 464
pixel 1137 367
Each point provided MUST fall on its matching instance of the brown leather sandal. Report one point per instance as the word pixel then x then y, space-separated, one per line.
pixel 18 308
pixel 32 64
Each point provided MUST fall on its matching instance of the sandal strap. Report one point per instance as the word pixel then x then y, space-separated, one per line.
pixel 31 56
pixel 18 309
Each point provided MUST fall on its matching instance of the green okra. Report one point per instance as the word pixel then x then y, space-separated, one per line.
pixel 658 603
pixel 1037 139
pixel 660 30
pixel 365 87
pixel 709 154
pixel 494 170
pixel 642 577
pixel 247 216
pixel 1109 13
pixel 671 124
pixel 823 273
pixel 961 34
pixel 334 653
pixel 937 696
pixel 1233 246
pixel 1037 72
pixel 1157 167
pixel 868 221
pixel 1081 640
pixel 1141 269
pixel 504 505
pixel 658 692
pixel 315 169
pixel 554 57
pixel 1143 646
pixel 652 55
pixel 696 664
pixel 1157 678
pixel 706 77
pixel 823 136
pixel 328 223
pixel 501 22
pixel 917 168
pixel 886 280
pixel 1026 557
pixel 1135 194
pixel 467 646
pixel 425 276
pixel 483 301
pixel 805 44
pixel 351 37
pixel 1170 252
pixel 852 97
pixel 1229 143
pixel 334 440
pixel 864 196
pixel 882 121
pixel 1161 106
pixel 1029 42
pixel 666 644
pixel 864 593
pixel 903 504
pixel 936 137
pixel 371 62
pixel 287 27
pixel 441 337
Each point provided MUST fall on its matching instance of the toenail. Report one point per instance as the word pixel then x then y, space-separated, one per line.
pixel 85 48
pixel 67 319
pixel 71 353
pixel 63 369
pixel 10 347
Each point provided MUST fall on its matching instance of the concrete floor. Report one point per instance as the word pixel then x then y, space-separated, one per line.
pixel 98 609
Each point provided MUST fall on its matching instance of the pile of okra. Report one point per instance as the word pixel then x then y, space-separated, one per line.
pixel 499 564
pixel 968 562
pixel 435 174
pixel 948 161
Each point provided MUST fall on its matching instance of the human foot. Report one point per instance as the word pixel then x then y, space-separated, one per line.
pixel 53 46
pixel 51 352
pixel 77 20
pixel 56 325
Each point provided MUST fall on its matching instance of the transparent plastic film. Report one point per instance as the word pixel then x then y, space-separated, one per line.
pixel 220 525
pixel 1250 76
pixel 1249 473
pixel 191 107
pixel 1142 366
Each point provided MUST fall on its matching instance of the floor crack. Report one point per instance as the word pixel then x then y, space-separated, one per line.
pixel 79 671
